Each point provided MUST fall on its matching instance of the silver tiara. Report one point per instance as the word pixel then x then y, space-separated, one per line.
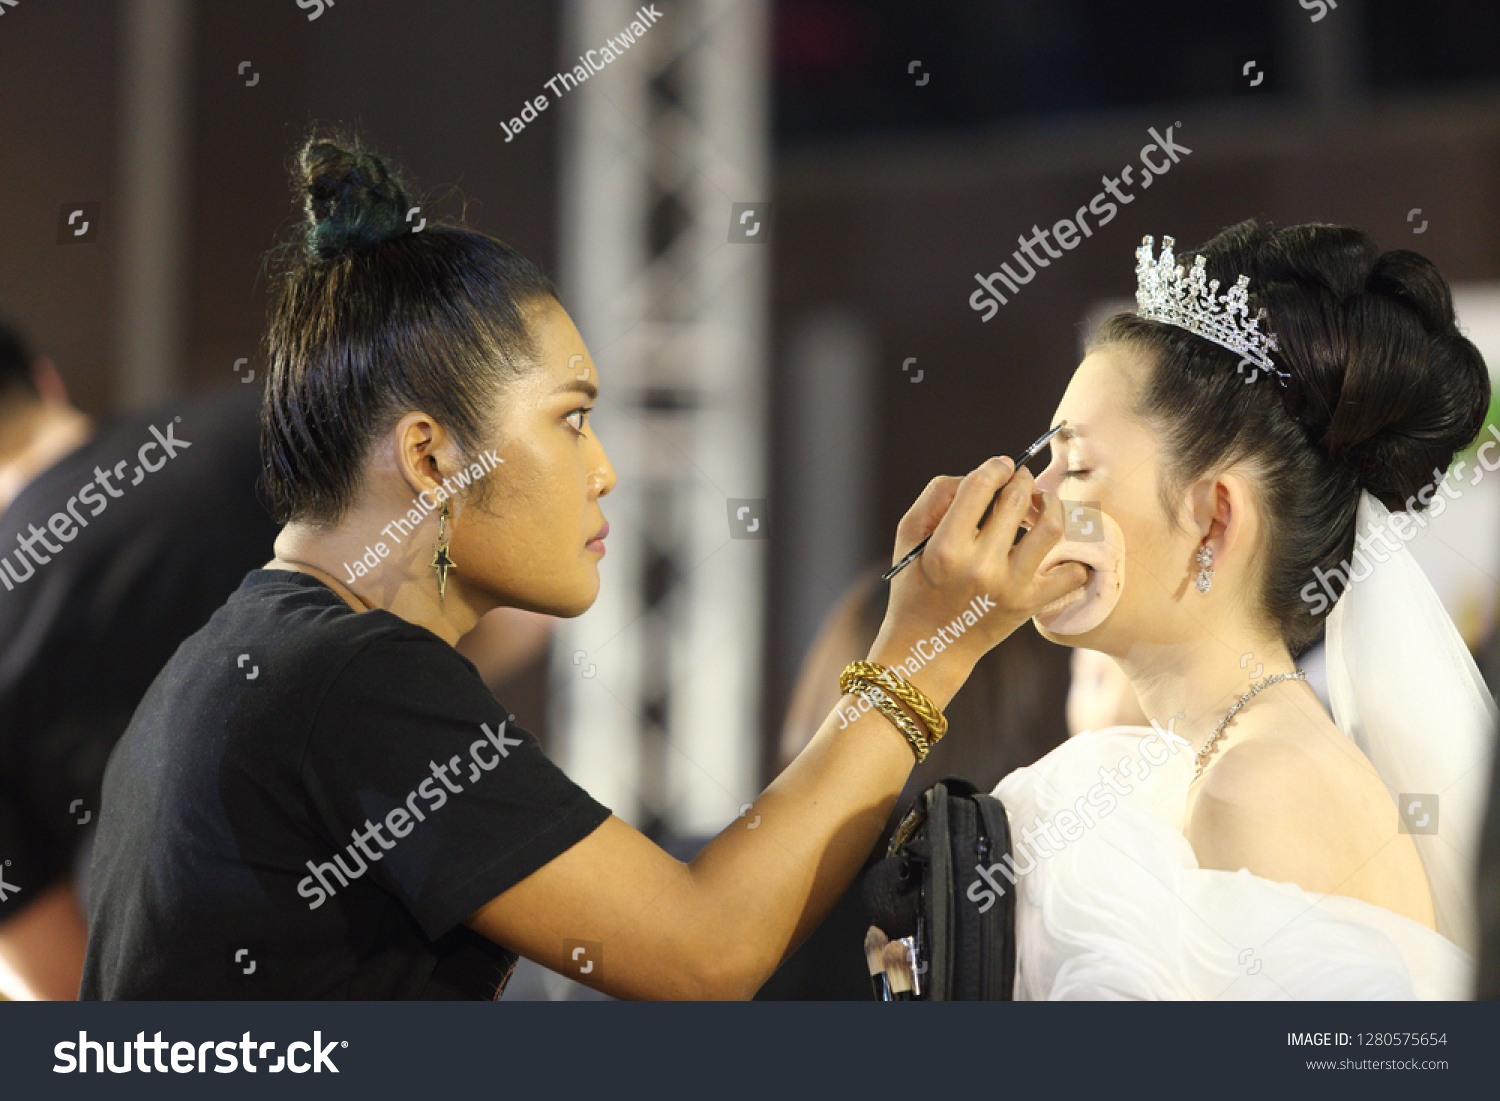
pixel 1190 300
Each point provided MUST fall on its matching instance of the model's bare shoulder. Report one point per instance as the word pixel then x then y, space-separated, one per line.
pixel 1293 810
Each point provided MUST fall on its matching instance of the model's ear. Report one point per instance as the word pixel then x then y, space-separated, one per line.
pixel 48 382
pixel 1220 514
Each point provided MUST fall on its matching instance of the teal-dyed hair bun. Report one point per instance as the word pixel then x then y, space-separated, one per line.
pixel 354 201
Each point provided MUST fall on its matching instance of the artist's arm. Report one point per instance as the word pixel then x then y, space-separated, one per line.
pixel 719 926
pixel 42 947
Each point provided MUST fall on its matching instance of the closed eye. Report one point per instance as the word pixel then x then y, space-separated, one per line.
pixel 1076 473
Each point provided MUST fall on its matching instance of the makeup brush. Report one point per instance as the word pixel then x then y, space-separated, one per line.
pixel 897 971
pixel 1026 457
pixel 910 944
pixel 875 942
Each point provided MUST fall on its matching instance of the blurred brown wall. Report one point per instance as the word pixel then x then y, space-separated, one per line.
pixel 428 83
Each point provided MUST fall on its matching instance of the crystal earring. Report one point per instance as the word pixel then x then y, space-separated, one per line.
pixel 1205 568
pixel 440 559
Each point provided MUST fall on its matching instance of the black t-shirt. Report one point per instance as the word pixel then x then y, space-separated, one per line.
pixel 127 567
pixel 308 804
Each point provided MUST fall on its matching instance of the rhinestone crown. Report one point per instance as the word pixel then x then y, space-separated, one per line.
pixel 1190 300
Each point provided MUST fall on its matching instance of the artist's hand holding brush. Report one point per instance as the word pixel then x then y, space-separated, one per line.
pixel 719 925
pixel 967 567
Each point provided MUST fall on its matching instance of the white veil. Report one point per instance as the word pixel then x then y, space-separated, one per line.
pixel 1403 686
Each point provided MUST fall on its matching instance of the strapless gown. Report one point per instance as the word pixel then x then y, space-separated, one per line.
pixel 1111 902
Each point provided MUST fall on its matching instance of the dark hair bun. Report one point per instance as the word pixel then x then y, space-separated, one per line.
pixel 354 201
pixel 372 320
pixel 1383 380
pixel 1382 390
pixel 1431 378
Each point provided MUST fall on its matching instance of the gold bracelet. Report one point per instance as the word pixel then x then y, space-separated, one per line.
pixel 892 710
pixel 903 690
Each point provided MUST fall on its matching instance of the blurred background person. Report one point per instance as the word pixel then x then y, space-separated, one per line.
pixel 118 537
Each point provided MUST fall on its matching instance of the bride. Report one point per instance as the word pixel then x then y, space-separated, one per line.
pixel 1229 457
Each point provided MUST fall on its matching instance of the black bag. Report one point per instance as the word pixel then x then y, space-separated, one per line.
pixel 925 887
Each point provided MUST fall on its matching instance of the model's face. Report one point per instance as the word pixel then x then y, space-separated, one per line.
pixel 529 544
pixel 1105 467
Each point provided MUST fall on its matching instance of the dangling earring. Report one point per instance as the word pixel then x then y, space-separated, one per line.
pixel 440 559
pixel 1205 568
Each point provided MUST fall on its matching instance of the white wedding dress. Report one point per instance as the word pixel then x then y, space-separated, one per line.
pixel 1124 911
pixel 1116 905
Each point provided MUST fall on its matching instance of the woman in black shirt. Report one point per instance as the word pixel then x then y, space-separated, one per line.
pixel 320 798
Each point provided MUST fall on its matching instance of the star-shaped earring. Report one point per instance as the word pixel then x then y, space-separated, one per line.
pixel 441 561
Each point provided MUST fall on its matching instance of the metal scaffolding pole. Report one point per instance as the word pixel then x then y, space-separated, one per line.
pixel 664 173
pixel 155 83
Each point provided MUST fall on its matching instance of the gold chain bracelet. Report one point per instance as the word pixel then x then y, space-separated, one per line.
pixel 892 710
pixel 903 690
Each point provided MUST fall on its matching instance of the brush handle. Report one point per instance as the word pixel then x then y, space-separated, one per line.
pixel 914 961
pixel 907 561
pixel 1026 457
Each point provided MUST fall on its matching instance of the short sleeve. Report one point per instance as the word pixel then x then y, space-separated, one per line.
pixel 422 778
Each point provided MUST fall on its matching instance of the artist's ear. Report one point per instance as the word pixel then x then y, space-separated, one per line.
pixel 421 451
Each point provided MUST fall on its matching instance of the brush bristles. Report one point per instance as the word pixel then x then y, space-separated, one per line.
pixel 897 967
pixel 875 942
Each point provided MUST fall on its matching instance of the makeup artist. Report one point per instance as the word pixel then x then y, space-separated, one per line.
pixel 319 798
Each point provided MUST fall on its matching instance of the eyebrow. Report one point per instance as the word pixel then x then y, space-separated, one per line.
pixel 581 385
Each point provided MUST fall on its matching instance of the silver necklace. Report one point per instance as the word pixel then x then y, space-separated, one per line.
pixel 1219 732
